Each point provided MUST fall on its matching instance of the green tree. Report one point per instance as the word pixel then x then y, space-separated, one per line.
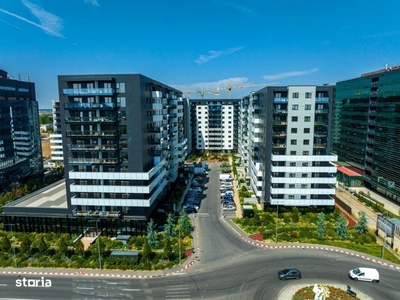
pixel 79 247
pixel 62 245
pixel 167 248
pixel 41 244
pixel 362 224
pixel 151 234
pixel 321 230
pixel 295 215
pixel 6 244
pixel 146 253
pixel 25 245
pixel 184 221
pixel 341 227
pixel 169 226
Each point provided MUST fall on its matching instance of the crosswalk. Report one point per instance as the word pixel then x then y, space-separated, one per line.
pixel 177 291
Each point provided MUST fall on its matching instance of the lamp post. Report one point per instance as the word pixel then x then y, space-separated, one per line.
pixel 384 240
pixel 15 258
pixel 98 242
pixel 179 245
pixel 276 227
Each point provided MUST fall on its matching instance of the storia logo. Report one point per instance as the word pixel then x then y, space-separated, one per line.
pixel 25 282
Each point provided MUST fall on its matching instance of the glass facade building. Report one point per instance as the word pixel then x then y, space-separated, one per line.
pixel 367 127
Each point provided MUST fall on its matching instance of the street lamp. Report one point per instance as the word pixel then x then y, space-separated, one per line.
pixel 98 241
pixel 15 258
pixel 179 245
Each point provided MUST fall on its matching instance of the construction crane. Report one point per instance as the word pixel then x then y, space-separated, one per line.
pixel 202 92
pixel 229 88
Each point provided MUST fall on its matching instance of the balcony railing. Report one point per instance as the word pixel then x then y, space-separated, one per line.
pixel 90 119
pixel 280 100
pixel 320 146
pixel 73 147
pixel 88 92
pixel 96 214
pixel 279 145
pixel 321 111
pixel 280 111
pixel 322 100
pixel 280 123
pixel 91 133
pixel 89 106
pixel 92 161
pixel 320 134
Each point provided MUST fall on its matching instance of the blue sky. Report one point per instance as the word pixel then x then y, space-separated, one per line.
pixel 194 44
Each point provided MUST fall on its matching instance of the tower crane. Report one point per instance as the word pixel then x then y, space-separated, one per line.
pixel 202 92
pixel 229 87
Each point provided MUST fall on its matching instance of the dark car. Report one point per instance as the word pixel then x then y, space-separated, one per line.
pixel 227 197
pixel 226 171
pixel 289 274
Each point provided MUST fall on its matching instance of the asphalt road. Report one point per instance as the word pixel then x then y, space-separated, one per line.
pixel 229 268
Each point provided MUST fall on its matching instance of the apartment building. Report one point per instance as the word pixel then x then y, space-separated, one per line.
pixel 289 151
pixel 20 148
pixel 367 128
pixel 57 157
pixel 214 124
pixel 123 142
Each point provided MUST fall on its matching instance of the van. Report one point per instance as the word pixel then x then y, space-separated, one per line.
pixel 224 176
pixel 364 274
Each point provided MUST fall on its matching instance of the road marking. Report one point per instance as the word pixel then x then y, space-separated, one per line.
pixel 131 290
pixel 177 289
pixel 3 284
pixel 84 288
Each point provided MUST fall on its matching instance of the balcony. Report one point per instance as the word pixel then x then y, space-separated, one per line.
pixel 280 100
pixel 155 129
pixel 321 111
pixel 96 214
pixel 280 123
pixel 280 135
pixel 155 141
pixel 280 111
pixel 319 146
pixel 74 147
pixel 90 106
pixel 322 100
pixel 72 120
pixel 320 134
pixel 89 92
pixel 280 146
pixel 92 161
pixel 320 123
pixel 91 133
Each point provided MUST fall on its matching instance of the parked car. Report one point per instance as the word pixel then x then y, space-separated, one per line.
pixel 186 205
pixel 229 207
pixel 228 192
pixel 225 171
pixel 190 210
pixel 290 273
pixel 227 197
pixel 365 274
pixel 224 165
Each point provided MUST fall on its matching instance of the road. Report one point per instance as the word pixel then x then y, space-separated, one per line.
pixel 228 268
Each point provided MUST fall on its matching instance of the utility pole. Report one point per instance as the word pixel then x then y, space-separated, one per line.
pixel 12 236
pixel 179 244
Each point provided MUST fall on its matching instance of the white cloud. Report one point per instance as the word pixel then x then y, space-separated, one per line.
pixel 93 2
pixel 214 54
pixel 289 74
pixel 50 23
pixel 212 86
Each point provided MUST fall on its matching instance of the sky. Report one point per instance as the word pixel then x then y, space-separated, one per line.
pixel 198 44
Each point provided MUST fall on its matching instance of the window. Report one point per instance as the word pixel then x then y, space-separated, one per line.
pixel 295 95
pixel 307 119
pixel 293 142
pixel 294 130
pixel 306 142
pixel 308 95
pixel 292 164
pixel 294 118
pixel 306 152
pixel 291 186
pixel 303 197
pixel 305 164
pixel 307 107
pixel 304 186
pixel 292 175
pixel 304 175
pixel 295 107
pixel 292 153
pixel 291 197
pixel 306 130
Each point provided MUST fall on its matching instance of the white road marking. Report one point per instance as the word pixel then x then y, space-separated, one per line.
pixel 84 288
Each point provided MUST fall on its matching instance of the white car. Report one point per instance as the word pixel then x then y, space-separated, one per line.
pixel 229 207
pixel 228 193
pixel 364 274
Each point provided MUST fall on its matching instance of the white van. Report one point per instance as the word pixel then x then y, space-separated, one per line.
pixel 364 274
pixel 224 176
